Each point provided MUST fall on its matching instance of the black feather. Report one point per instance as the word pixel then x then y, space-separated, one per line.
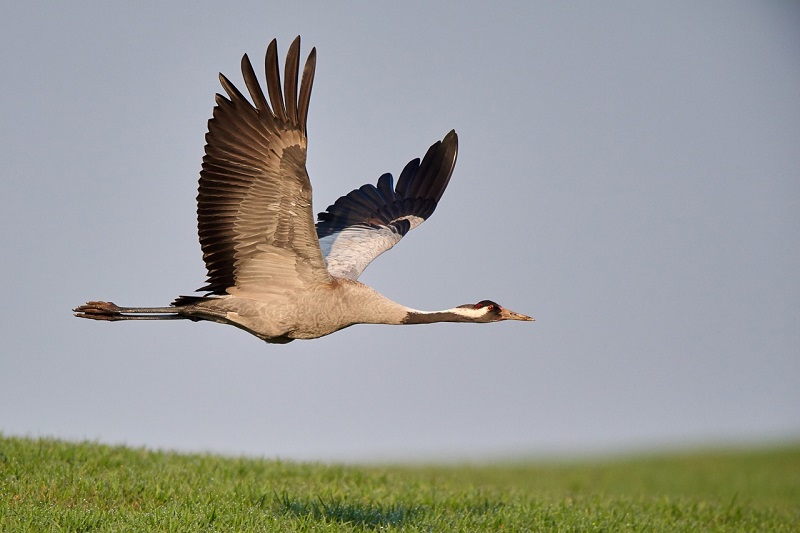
pixel 419 188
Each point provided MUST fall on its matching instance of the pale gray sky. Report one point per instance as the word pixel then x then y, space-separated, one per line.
pixel 628 173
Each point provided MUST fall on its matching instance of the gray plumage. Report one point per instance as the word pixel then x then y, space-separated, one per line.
pixel 271 270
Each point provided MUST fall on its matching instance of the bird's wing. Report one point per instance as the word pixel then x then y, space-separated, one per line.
pixel 366 222
pixel 254 211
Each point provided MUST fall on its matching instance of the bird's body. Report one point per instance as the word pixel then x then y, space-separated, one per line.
pixel 271 270
pixel 307 313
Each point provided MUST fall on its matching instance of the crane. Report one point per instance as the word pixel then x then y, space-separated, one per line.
pixel 272 271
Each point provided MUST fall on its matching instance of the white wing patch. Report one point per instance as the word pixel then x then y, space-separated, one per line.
pixel 350 251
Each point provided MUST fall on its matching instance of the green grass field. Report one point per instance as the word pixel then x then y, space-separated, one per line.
pixel 48 485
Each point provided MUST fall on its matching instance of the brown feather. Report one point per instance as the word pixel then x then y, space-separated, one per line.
pixel 274 81
pixel 290 80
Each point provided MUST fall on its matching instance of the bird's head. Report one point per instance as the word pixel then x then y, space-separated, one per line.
pixel 489 311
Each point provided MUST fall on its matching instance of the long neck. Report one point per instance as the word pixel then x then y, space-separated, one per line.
pixel 364 305
pixel 457 314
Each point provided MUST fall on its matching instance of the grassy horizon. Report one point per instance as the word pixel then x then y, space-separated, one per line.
pixel 50 485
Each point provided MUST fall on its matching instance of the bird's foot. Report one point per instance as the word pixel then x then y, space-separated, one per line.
pixel 99 311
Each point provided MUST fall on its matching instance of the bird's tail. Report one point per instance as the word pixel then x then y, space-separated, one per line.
pixel 111 311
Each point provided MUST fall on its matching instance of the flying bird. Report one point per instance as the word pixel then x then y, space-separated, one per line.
pixel 271 271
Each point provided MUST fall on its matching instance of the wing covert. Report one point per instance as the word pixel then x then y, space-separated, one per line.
pixel 370 220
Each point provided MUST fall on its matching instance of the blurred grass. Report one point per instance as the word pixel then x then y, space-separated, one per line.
pixel 49 485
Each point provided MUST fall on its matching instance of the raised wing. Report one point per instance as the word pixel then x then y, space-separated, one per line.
pixel 366 222
pixel 254 211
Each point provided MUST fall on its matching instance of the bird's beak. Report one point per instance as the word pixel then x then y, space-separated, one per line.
pixel 505 314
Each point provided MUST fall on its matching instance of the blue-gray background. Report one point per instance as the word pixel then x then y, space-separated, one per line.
pixel 629 174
